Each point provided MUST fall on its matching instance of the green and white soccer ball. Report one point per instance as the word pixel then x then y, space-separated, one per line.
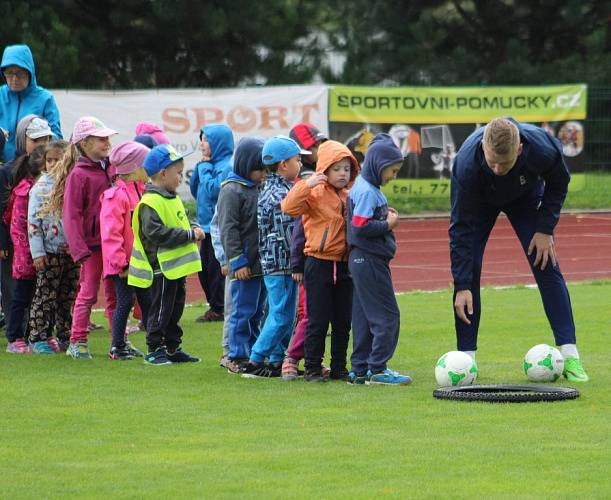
pixel 543 363
pixel 455 368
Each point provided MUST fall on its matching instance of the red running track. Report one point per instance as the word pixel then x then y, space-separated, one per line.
pixel 583 244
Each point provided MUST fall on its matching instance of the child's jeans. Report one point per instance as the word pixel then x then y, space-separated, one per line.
pixel 22 298
pixel 297 348
pixel 125 301
pixel 248 303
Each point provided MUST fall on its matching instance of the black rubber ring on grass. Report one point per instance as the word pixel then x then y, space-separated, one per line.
pixel 504 393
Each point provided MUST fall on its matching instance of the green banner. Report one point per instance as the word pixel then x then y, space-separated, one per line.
pixel 456 104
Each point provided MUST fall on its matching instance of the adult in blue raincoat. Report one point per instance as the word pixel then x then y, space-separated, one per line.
pixel 22 96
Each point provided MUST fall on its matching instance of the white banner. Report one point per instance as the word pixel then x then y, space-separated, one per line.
pixel 262 112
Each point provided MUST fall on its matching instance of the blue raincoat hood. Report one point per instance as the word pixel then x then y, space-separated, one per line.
pixel 220 139
pixel 20 55
pixel 247 158
pixel 382 153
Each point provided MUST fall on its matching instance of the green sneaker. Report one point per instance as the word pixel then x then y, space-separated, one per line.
pixel 573 370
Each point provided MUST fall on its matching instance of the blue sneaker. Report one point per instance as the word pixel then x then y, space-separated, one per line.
pixel 78 350
pixel 389 377
pixel 42 347
pixel 354 379
pixel 180 356
pixel 158 357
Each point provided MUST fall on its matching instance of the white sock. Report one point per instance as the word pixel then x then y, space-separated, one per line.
pixel 569 351
pixel 470 353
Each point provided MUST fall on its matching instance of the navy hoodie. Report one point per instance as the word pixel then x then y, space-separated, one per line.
pixel 237 209
pixel 475 189
pixel 367 205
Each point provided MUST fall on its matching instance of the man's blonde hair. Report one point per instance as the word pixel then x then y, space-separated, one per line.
pixel 501 136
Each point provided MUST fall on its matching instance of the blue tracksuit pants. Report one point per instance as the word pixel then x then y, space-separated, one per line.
pixel 375 313
pixel 248 305
pixel 522 214
pixel 273 341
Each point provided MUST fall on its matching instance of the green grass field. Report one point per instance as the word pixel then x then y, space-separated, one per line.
pixel 102 429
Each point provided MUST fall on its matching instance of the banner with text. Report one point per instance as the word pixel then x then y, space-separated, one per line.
pixel 263 112
pixel 456 104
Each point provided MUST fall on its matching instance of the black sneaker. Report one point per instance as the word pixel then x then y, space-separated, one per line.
pixel 314 376
pixel 276 368
pixel 180 356
pixel 259 370
pixel 120 353
pixel 158 357
pixel 341 374
pixel 235 365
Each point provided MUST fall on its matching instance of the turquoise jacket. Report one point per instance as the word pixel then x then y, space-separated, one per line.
pixel 32 100
pixel 205 183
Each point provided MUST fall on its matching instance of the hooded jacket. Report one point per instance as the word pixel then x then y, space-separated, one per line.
pixel 367 205
pixel 205 183
pixel 31 100
pixel 117 237
pixel 323 207
pixel 475 188
pixel 81 214
pixel 237 209
pixel 46 234
pixel 16 216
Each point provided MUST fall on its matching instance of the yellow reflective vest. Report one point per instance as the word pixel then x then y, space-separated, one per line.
pixel 176 262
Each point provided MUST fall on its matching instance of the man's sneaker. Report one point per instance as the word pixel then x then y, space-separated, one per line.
pixel 136 353
pixel 354 379
pixel 42 347
pixel 290 369
pixel 158 357
pixel 19 346
pixel 78 350
pixel 315 375
pixel 180 356
pixel 341 374
pixel 388 377
pixel 259 370
pixel 120 353
pixel 574 371
pixel 236 365
pixel 223 361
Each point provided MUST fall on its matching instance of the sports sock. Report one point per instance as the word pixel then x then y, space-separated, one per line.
pixel 569 351
pixel 470 353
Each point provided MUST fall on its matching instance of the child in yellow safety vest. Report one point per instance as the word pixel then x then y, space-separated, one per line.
pixel 163 255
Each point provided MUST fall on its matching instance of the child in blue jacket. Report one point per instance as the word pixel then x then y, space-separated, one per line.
pixel 216 146
pixel 375 313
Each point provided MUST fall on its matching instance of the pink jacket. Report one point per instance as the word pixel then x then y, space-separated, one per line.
pixel 118 204
pixel 16 215
pixel 81 215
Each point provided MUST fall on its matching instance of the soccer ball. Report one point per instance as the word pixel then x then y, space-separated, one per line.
pixel 543 363
pixel 455 368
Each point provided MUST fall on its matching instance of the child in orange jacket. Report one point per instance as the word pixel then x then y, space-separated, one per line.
pixel 321 200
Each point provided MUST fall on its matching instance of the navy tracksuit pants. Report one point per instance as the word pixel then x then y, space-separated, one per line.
pixel 375 313
pixel 522 214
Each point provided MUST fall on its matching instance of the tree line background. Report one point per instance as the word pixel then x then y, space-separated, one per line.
pixel 126 44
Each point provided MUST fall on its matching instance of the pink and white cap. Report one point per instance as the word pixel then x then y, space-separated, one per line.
pixel 89 125
pixel 128 156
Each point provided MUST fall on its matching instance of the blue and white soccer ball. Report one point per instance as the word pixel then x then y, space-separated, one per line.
pixel 455 368
pixel 543 363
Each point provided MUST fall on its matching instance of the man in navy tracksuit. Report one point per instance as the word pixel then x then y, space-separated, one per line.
pixel 518 169
pixel 375 313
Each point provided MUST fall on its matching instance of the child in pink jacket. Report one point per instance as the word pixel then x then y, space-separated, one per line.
pixel 118 204
pixel 24 274
pixel 89 178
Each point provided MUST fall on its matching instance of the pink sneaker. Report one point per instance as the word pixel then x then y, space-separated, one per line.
pixel 129 329
pixel 18 347
pixel 53 344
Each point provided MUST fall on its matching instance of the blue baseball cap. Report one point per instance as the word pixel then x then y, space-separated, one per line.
pixel 161 157
pixel 280 148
